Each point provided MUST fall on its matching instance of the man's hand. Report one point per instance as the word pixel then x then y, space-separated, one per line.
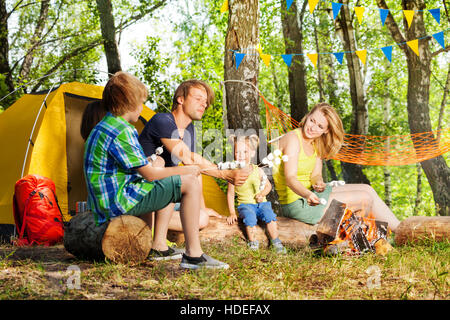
pixel 212 213
pixel 237 177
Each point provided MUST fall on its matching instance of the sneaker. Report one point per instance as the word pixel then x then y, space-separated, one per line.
pixel 253 245
pixel 170 254
pixel 278 246
pixel 204 261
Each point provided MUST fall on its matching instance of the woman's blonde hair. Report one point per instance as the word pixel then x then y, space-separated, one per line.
pixel 252 140
pixel 329 143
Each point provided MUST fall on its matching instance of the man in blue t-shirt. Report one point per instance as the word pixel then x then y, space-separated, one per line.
pixel 175 133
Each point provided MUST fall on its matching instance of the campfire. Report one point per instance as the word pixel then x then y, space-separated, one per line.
pixel 350 232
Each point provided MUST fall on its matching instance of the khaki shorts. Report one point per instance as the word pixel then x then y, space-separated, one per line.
pixel 302 211
pixel 165 191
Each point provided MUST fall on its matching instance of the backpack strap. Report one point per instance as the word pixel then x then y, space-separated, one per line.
pixel 25 210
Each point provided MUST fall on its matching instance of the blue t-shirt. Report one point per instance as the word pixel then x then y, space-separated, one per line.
pixel 162 125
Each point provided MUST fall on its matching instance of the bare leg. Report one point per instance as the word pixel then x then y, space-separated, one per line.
pixel 175 221
pixel 162 218
pixel 272 228
pixel 379 209
pixel 189 214
pixel 250 233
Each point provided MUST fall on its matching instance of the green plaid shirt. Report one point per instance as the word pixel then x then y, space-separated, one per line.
pixel 112 155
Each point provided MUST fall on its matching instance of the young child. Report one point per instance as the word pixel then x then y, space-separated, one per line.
pixel 252 203
pixel 120 179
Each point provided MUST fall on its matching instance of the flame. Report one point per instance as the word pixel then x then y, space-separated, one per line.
pixel 353 220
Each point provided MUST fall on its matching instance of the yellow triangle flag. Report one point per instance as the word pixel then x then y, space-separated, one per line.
pixel 259 49
pixel 409 15
pixel 312 5
pixel 362 55
pixel 313 57
pixel 414 45
pixel 359 13
pixel 266 58
pixel 224 6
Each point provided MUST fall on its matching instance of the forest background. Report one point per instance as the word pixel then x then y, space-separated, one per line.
pixel 46 43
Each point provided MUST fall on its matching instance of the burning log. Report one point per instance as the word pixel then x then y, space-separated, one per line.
pixel 341 230
pixel 124 239
pixel 291 232
pixel 419 228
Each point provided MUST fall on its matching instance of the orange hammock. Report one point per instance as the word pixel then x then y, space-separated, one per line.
pixel 370 150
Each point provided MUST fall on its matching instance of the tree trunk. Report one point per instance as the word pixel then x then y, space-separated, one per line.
pixel 242 36
pixel 422 228
pixel 419 69
pixel 353 172
pixel 4 47
pixel 34 42
pixel 293 38
pixel 109 35
pixel 291 232
pixel 124 239
pixel 386 169
pixel 419 189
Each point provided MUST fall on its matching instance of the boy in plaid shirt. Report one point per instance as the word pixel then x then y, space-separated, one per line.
pixel 120 179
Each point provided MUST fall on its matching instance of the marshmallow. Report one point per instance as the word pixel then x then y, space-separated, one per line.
pixel 323 201
pixel 270 157
pixel 265 161
pixel 153 157
pixel 277 153
pixel 277 161
pixel 232 165
pixel 159 151
pixel 220 166
pixel 285 158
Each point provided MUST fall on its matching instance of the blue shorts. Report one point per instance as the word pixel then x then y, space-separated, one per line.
pixel 251 212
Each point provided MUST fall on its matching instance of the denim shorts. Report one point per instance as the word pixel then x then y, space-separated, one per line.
pixel 302 211
pixel 165 191
pixel 251 212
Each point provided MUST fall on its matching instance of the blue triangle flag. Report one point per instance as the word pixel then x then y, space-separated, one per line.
pixel 239 56
pixel 388 52
pixel 289 3
pixel 440 38
pixel 383 15
pixel 336 8
pixel 436 13
pixel 287 59
pixel 339 56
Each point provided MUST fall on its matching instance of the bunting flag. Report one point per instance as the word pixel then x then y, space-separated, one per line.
pixel 387 52
pixel 238 56
pixel 289 3
pixel 362 55
pixel 383 15
pixel 259 49
pixel 313 57
pixel 312 5
pixel 287 59
pixel 224 7
pixel 409 15
pixel 436 13
pixel 266 58
pixel 339 56
pixel 336 8
pixel 359 13
pixel 439 37
pixel 414 45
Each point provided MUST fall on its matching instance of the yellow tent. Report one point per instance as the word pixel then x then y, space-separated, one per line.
pixel 40 134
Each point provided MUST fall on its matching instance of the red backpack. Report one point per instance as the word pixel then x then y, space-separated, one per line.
pixel 37 214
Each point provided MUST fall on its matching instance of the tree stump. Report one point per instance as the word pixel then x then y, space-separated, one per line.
pixel 419 228
pixel 291 232
pixel 125 239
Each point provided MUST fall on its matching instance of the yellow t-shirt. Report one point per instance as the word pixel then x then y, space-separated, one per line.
pixel 305 167
pixel 246 193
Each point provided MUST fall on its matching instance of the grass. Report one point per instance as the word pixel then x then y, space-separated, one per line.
pixel 413 272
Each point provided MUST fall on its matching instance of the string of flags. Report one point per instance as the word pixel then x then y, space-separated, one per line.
pixel 359 11
pixel 362 54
